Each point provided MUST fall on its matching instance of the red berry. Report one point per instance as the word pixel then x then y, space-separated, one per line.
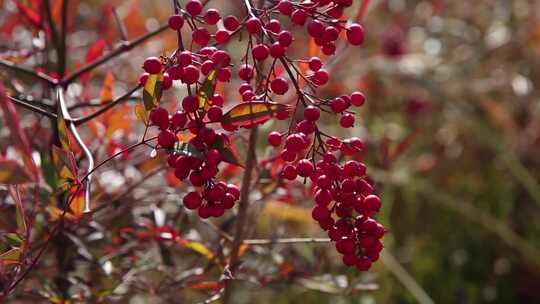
pixel 289 172
pixel 234 190
pixel 323 197
pixel 192 200
pixel 294 142
pixel 274 138
pixel 315 28
pixel 288 155
pixel 224 75
pixel 194 7
pixel 372 202
pixel 329 49
pixel 355 34
pixel 212 16
pixel 201 36
pixel 273 25
pixel 312 113
pixel 277 50
pixel 253 25
pixel 143 78
pixel 260 52
pixel 279 86
pixel 160 117
pixel 357 99
pixel 175 72
pixel 215 113
pixel 305 168
pixel 324 182
pixel 320 212
pixel 190 103
pixel 152 65
pixel 245 72
pixel 285 38
pixel 190 74
pixel 338 105
pixel 179 119
pixel 320 77
pixel 166 82
pixel 285 7
pixel 346 246
pixel 222 36
pixel 347 120
pixel 349 260
pixel 176 22
pixel 166 139
pixel 231 23
pixel 299 17
pixel 315 64
pixel 363 264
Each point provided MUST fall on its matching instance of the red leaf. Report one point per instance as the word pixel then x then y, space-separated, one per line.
pixel 96 50
pixel 18 136
pixel 32 16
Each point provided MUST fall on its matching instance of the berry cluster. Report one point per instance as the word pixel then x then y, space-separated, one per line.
pixel 345 203
pixel 199 166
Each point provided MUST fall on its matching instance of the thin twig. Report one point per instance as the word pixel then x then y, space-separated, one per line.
pixel 121 27
pixel 37 75
pixel 406 279
pixel 122 48
pixel 110 105
pixel 287 241
pixel 32 107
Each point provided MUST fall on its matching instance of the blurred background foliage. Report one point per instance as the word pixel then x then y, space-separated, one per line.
pixel 452 124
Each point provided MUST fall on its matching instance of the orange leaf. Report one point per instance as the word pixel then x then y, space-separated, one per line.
pixel 12 173
pixel 107 90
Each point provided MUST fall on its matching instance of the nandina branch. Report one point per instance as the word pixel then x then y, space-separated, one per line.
pixel 37 75
pixel 124 47
pixel 110 105
pixel 287 241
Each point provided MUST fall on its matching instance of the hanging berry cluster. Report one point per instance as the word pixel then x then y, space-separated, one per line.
pixel 345 202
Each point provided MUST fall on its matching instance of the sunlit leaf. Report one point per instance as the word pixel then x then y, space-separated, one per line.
pixel 251 113
pixel 12 173
pixel 76 200
pixel 152 91
pixel 11 256
pixel 206 91
pixel 107 89
pixel 142 116
pixel 197 247
pixel 96 50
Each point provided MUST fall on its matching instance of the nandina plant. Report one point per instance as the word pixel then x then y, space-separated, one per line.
pixel 276 81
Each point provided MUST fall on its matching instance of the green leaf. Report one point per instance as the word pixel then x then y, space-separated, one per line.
pixel 248 114
pixel 13 239
pixel 187 149
pixel 12 173
pixel 227 151
pixel 152 91
pixel 48 170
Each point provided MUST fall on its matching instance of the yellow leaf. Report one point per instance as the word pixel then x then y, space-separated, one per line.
pixel 152 91
pixel 141 114
pixel 197 247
